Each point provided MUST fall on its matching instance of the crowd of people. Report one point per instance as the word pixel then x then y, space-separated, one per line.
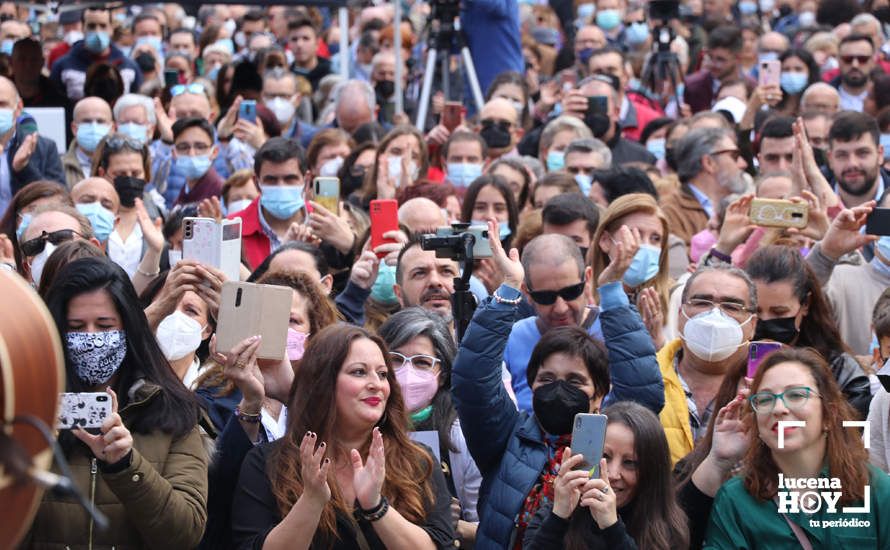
pixel 619 165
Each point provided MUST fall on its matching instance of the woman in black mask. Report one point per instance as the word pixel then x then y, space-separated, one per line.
pixel 793 310
pixel 518 453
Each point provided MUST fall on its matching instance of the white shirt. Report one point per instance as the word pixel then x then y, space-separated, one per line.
pixel 850 102
pixel 195 370
pixel 85 161
pixel 126 254
pixel 274 428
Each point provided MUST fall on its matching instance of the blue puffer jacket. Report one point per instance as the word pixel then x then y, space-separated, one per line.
pixel 507 445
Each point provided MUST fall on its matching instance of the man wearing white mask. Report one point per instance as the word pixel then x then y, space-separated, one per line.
pixel 464 154
pixel 281 97
pixel 49 227
pixel 717 320
pixel 92 122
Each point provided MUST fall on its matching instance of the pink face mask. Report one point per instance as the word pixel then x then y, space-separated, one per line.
pixel 418 386
pixel 296 343
pixel 700 243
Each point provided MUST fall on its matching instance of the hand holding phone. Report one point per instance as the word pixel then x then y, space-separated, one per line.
pixel 83 409
pixel 588 438
pixel 327 193
pixel 247 110
pixel 452 115
pixel 878 222
pixel 770 73
pixel 384 218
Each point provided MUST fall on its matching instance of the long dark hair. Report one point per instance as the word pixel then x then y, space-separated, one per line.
pixel 313 407
pixel 812 69
pixel 498 182
pixel 818 329
pixel 175 409
pixel 407 324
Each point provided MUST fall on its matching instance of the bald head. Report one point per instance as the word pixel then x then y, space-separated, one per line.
pixel 92 109
pixel 499 108
pixel 589 36
pixel 550 251
pixel 96 190
pixel 773 42
pixel 421 215
pixel 355 104
pixel 821 98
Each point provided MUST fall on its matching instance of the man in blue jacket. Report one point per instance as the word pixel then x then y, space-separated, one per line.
pixel 70 71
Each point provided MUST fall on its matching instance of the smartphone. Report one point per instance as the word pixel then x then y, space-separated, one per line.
pixel 452 114
pixel 778 213
pixel 213 243
pixel 171 78
pixel 247 110
pixel 327 193
pixel 588 438
pixel 481 246
pixel 87 410
pixel 757 352
pixel 597 105
pixel 770 73
pixel 248 309
pixel 878 222
pixel 384 217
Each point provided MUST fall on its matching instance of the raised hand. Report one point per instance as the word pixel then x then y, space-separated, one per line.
pixel 314 470
pixel 23 155
pixel 240 366
pixel 386 187
pixel 165 123
pixel 7 253
pixel 249 132
pixel 843 234
pixel 114 442
pixel 600 499
pixel 151 229
pixel 510 266
pixel 210 208
pixel 331 228
pixel 389 252
pixel 226 125
pixel 626 242
pixel 300 232
pixel 568 483
pixel 649 305
pixel 737 226
pixel 730 439
pixel 367 477
pixel 364 270
pixel 817 217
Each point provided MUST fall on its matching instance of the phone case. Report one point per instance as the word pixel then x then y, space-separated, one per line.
pixel 217 244
pixel 757 352
pixel 481 248
pixel 327 193
pixel 770 72
pixel 778 213
pixel 87 410
pixel 451 115
pixel 247 110
pixel 248 309
pixel 384 217
pixel 588 438
pixel 878 222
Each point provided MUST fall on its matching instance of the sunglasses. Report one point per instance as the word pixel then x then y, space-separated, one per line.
pixel 548 297
pixel 117 142
pixel 187 88
pixel 862 59
pixel 36 245
pixel 734 153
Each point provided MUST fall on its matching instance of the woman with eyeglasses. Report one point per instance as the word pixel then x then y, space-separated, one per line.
pixel 422 351
pixel 145 468
pixel 805 475
pixel 647 282
pixel 792 309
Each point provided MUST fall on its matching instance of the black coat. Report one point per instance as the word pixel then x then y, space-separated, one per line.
pixel 45 163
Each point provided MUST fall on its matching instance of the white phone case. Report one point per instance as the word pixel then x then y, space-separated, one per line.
pixel 87 410
pixel 217 244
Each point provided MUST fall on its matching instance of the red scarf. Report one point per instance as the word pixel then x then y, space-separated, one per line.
pixel 542 493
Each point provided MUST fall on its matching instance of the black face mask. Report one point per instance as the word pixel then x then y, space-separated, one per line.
pixel 598 123
pixel 352 181
pixel 496 136
pixel 146 62
pixel 819 156
pixel 556 404
pixel 128 189
pixel 780 330
pixel 385 88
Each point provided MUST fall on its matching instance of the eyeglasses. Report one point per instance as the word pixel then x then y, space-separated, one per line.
pixel 36 245
pixel 420 361
pixel 117 142
pixel 734 153
pixel 849 59
pixel 794 398
pixel 180 89
pixel 733 309
pixel 185 148
pixel 548 297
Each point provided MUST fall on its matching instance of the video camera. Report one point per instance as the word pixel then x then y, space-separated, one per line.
pixel 452 242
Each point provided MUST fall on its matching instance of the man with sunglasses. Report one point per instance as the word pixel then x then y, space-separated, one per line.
pixel 856 57
pixel 500 128
pixel 49 227
pixel 555 283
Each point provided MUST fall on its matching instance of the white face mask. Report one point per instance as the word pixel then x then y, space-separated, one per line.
pixel 712 335
pixel 39 261
pixel 173 257
pixel 73 36
pixel 282 109
pixel 394 165
pixel 178 335
pixel 236 206
pixel 331 167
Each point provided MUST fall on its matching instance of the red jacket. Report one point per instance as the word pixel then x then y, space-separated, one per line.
pixel 639 114
pixel 255 245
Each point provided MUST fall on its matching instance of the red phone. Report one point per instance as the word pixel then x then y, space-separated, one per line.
pixel 452 114
pixel 384 217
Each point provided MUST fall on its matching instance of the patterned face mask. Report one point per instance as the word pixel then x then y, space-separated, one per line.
pixel 96 356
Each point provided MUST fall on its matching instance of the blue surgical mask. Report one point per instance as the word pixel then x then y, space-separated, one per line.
pixel 382 291
pixel 97 42
pixel 7 120
pixel 608 19
pixel 6 46
pixel 586 11
pixel 193 167
pixel 282 201
pixel 137 132
pixel 793 83
pixel 23 225
pixel 656 146
pixel 100 218
pixel 154 41
pixel 90 134
pixel 644 266
pixel 637 33
pixel 746 7
pixel 462 174
pixel 585 182
pixel 227 44
pixel 556 161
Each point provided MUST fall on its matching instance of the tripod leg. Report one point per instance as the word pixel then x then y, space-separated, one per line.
pixel 471 76
pixel 429 72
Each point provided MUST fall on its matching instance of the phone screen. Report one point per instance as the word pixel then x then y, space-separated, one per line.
pixel 588 438
pixel 878 222
pixel 598 105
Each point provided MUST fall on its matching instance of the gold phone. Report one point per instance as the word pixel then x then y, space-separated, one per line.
pixel 248 309
pixel 778 213
pixel 327 193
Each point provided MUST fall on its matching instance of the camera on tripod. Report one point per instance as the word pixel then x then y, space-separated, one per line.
pixel 460 242
pixel 661 13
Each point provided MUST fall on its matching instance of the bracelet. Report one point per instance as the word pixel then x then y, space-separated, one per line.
pixel 501 300
pixel 144 274
pixel 374 513
pixel 725 258
pixel 247 417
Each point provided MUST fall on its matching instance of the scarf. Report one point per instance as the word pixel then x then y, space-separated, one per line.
pixel 542 493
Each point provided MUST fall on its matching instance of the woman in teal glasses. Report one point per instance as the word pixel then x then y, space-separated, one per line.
pixel 802 485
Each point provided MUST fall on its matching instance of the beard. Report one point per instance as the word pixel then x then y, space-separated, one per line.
pixel 854 79
pixel 733 183
pixel 855 188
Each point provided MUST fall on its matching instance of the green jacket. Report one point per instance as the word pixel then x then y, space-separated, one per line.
pixel 158 501
pixel 738 520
